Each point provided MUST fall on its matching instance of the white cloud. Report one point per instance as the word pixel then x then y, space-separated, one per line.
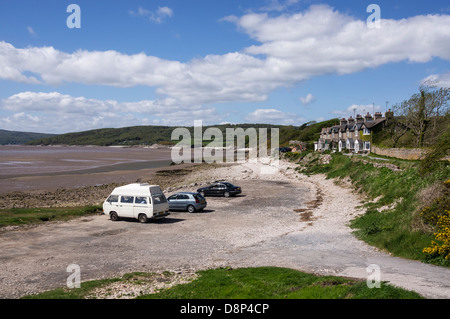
pixel 273 116
pixel 321 40
pixel 157 16
pixel 308 99
pixel 31 31
pixel 439 80
pixel 165 11
pixel 56 112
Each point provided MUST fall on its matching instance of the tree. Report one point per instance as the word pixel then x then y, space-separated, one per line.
pixel 436 153
pixel 396 129
pixel 429 106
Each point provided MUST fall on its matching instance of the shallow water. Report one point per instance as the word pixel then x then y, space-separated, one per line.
pixel 23 167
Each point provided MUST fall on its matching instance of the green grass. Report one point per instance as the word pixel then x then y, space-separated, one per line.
pixel 393 229
pixel 74 293
pixel 275 283
pixel 28 216
pixel 252 283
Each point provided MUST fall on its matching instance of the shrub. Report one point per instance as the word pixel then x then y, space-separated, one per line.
pixel 437 215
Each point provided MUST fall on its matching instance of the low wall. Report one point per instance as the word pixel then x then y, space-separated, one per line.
pixel 402 153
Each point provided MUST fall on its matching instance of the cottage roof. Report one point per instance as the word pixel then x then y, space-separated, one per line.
pixel 335 129
pixel 374 123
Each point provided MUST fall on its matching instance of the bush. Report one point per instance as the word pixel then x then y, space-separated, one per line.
pixel 437 215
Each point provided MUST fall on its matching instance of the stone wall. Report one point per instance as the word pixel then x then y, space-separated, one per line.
pixel 402 153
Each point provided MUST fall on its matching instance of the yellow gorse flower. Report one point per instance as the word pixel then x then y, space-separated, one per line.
pixel 441 245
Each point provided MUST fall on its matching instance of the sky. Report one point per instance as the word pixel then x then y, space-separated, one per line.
pixel 106 63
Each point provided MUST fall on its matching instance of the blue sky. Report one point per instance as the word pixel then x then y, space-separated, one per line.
pixel 170 62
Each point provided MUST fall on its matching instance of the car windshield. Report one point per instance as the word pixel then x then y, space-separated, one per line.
pixel 229 185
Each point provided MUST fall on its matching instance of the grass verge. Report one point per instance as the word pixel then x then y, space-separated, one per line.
pixel 247 283
pixel 36 216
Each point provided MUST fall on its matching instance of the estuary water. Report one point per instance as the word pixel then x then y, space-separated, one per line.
pixel 22 167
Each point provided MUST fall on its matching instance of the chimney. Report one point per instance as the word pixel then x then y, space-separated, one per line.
pixel 359 118
pixel 378 115
pixel 351 121
pixel 389 114
pixel 368 117
pixel 343 122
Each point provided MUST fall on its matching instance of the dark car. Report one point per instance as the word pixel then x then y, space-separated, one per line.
pixel 220 189
pixel 186 201
pixel 285 149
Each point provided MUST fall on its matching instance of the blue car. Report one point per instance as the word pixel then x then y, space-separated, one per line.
pixel 186 201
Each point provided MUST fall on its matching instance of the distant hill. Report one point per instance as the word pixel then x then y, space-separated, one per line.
pixel 149 135
pixel 17 138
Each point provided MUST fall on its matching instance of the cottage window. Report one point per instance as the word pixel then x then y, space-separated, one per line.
pixel 366 131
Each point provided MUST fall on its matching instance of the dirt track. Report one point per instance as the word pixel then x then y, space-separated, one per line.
pixel 280 220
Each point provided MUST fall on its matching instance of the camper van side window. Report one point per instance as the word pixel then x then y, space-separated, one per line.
pixel 141 200
pixel 127 199
pixel 113 199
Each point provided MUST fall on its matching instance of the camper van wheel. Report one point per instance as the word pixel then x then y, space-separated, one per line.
pixel 191 209
pixel 113 216
pixel 143 218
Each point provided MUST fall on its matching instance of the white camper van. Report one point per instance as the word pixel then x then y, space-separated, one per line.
pixel 141 201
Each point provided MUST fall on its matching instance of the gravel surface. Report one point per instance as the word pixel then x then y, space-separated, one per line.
pixel 282 218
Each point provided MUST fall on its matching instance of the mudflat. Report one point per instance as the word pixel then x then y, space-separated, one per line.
pixel 46 168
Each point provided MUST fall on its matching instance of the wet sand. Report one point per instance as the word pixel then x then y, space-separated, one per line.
pixel 48 168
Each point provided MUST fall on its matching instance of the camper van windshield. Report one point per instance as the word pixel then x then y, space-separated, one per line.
pixel 113 198
pixel 158 199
